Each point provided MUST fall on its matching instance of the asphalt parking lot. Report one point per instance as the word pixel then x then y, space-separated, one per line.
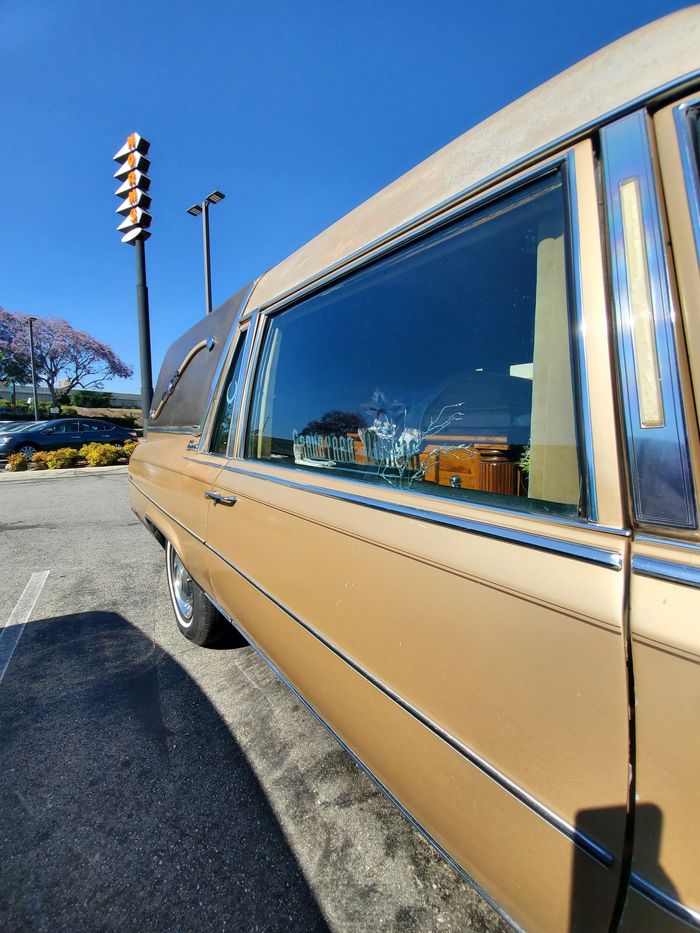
pixel 147 784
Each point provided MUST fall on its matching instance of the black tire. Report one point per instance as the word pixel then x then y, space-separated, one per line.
pixel 27 449
pixel 196 618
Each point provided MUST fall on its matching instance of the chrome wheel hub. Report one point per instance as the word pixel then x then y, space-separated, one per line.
pixel 182 588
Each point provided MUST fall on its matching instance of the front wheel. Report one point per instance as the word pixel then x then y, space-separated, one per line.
pixel 27 450
pixel 196 618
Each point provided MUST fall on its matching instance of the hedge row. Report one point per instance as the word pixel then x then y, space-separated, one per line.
pixel 95 455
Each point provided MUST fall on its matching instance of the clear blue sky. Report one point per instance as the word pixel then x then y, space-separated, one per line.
pixel 298 111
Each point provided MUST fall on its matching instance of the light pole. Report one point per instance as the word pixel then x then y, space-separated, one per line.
pixel 203 209
pixel 31 352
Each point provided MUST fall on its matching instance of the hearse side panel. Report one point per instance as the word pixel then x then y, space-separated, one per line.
pixel 531 869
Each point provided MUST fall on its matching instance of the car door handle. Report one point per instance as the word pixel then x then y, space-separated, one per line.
pixel 217 497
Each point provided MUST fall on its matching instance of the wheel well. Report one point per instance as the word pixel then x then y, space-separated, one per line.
pixel 156 532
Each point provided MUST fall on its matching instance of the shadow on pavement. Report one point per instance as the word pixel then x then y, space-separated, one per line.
pixel 126 803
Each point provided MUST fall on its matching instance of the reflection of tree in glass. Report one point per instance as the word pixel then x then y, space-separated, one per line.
pixel 396 447
pixel 338 423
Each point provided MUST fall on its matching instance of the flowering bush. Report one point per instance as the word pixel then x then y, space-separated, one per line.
pixel 40 459
pixel 129 447
pixel 100 454
pixel 62 459
pixel 16 463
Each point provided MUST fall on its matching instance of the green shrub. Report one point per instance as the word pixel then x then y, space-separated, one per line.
pixel 101 454
pixel 16 463
pixel 68 411
pixel 129 447
pixel 40 459
pixel 87 398
pixel 62 459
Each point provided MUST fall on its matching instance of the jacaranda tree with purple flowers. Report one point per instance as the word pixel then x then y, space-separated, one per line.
pixel 65 357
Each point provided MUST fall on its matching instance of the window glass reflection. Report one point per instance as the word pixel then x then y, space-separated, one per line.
pixel 442 369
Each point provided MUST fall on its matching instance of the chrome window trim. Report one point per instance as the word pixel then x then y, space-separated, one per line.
pixel 656 95
pixel 239 343
pixel 419 227
pixel 627 155
pixel 584 552
pixel 669 571
pixel 222 368
pixel 582 409
pixel 579 839
pixel 564 165
pixel 250 351
pixel 689 162
pixel 373 777
pixel 661 899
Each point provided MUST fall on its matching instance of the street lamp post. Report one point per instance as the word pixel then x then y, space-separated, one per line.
pixel 203 209
pixel 31 352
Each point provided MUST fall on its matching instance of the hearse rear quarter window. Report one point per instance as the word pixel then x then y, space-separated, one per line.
pixel 444 368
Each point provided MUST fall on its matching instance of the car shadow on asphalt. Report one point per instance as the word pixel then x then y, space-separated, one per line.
pixel 127 803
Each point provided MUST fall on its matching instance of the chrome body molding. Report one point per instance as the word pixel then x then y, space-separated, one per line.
pixel 665 901
pixel 382 787
pixel 192 430
pixel 657 447
pixel 209 343
pixel 583 842
pixel 583 552
pixel 340 267
pixel 669 571
pixel 692 547
pixel 166 513
pixel 691 172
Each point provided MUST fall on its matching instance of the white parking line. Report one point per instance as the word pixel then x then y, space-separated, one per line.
pixel 11 633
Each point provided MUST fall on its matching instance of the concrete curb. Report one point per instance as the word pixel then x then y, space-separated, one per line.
pixel 6 476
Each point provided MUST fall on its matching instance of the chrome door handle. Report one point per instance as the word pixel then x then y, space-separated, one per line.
pixel 223 500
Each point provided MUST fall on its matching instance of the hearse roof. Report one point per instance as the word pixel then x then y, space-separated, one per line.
pixel 643 66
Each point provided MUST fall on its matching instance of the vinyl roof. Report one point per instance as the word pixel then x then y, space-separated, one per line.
pixel 635 68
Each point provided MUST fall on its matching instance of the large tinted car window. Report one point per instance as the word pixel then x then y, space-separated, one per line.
pixel 442 369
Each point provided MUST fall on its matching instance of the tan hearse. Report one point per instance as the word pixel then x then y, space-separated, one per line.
pixel 440 468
